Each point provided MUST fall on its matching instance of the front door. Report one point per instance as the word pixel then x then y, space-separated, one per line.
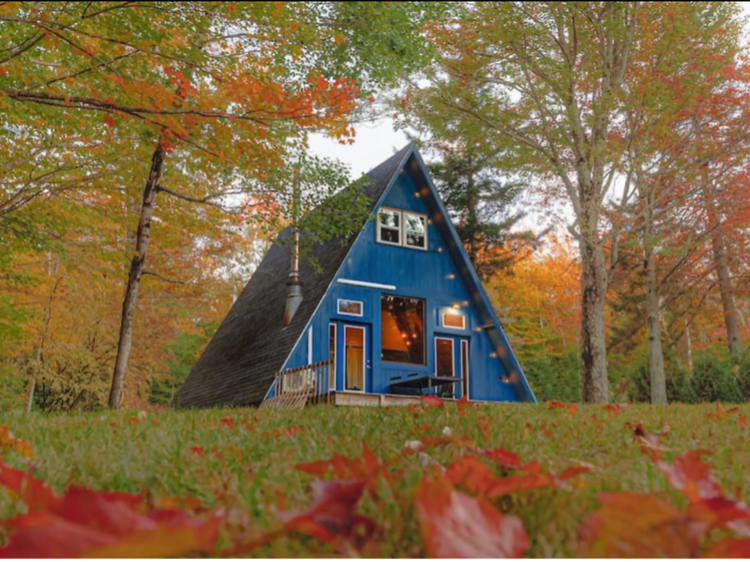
pixel 355 358
pixel 452 360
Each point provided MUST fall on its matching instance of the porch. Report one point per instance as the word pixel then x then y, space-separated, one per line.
pixel 315 383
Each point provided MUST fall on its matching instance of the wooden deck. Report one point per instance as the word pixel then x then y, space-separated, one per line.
pixel 340 398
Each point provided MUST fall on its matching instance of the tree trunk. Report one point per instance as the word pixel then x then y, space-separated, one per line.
pixel 655 353
pixel 727 294
pixel 143 234
pixel 30 394
pixel 593 344
pixel 473 222
pixel 657 379
pixel 689 346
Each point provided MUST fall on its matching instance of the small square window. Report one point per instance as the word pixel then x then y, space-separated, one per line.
pixel 452 318
pixel 349 307
pixel 415 231
pixel 389 227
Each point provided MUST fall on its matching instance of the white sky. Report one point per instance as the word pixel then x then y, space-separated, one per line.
pixel 373 144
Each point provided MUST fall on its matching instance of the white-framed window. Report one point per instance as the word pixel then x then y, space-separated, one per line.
pixel 453 318
pixel 415 230
pixel 349 307
pixel 389 226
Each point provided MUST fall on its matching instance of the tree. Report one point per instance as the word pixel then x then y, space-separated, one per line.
pixel 483 206
pixel 554 81
pixel 228 92
pixel 470 173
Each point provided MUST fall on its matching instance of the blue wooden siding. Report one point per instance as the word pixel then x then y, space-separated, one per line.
pixel 429 275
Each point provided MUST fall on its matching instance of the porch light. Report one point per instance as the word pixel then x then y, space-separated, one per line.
pixel 455 306
pixel 493 354
pixel 451 276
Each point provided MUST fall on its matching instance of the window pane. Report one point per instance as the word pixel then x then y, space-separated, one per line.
pixel 414 223
pixel 389 219
pixel 453 319
pixel 415 227
pixel 402 329
pixel 389 226
pixel 443 357
pixel 353 308
pixel 389 235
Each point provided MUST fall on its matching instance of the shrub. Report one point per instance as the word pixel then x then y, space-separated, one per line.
pixel 555 377
pixel 714 381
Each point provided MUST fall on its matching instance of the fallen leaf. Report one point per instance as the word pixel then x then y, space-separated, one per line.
pixel 631 525
pixel 432 401
pixel 332 517
pixel 366 467
pixel 454 525
pixel 107 525
pixel 502 457
pixel 729 548
pixel 692 476
pixel 36 494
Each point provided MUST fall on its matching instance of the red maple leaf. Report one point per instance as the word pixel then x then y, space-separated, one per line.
pixel 692 476
pixel 631 525
pixel 107 525
pixel 432 401
pixel 36 494
pixel 502 457
pixel 332 517
pixel 454 525
pixel 367 467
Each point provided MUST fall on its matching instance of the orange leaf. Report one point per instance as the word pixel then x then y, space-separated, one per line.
pixel 107 524
pixel 36 494
pixel 461 404
pixel 454 525
pixel 692 476
pixel 630 525
pixel 367 467
pixel 332 517
pixel 502 457
pixel 432 401
pixel 472 474
pixel 729 548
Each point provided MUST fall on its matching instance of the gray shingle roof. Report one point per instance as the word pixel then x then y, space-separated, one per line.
pixel 238 365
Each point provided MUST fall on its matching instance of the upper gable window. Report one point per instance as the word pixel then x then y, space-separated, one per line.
pixel 402 228
pixel 389 226
pixel 415 231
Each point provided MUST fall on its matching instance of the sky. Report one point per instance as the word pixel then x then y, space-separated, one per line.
pixel 373 143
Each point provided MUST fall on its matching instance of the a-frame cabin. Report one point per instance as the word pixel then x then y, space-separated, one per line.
pixel 396 312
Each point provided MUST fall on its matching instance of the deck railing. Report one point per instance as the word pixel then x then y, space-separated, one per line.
pixel 292 389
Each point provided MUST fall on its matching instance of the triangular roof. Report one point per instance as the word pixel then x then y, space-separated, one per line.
pixel 238 365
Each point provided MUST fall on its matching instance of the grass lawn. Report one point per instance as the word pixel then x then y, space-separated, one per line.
pixel 244 461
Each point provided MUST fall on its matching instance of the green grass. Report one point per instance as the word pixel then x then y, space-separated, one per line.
pixel 120 452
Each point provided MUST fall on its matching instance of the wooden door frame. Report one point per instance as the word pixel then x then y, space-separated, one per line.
pixel 344 370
